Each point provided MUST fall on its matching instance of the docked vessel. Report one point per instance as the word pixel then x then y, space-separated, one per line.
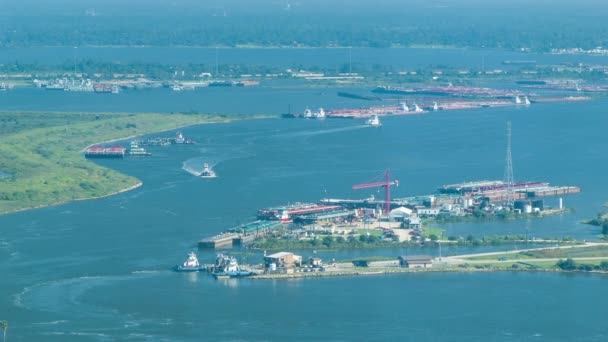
pixel 320 114
pixel 373 121
pixel 190 265
pixel 105 152
pixel 307 114
pixel 227 267
pixel 207 172
pixel 136 150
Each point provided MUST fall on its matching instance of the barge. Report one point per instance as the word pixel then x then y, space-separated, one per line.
pixel 105 152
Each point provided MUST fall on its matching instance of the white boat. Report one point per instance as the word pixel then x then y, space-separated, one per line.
pixel 207 172
pixel 227 267
pixel 517 100
pixel 526 101
pixel 190 265
pixel 136 150
pixel 417 109
pixel 404 107
pixel 435 106
pixel 307 113
pixel 320 114
pixel 373 121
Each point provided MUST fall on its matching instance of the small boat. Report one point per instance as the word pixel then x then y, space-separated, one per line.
pixel 207 172
pixel 417 109
pixel 190 265
pixel 136 150
pixel 526 101
pixel 373 121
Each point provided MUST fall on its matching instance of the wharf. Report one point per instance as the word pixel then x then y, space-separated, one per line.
pixel 240 235
pixel 218 241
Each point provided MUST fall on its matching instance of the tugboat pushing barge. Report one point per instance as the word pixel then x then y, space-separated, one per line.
pixel 190 265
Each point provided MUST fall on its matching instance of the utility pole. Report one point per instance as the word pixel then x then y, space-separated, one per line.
pixel 216 65
pixel 350 60
pixel 509 168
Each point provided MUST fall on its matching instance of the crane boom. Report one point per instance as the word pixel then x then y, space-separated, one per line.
pixel 386 184
pixel 373 185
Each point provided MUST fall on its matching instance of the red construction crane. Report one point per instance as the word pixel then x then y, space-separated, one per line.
pixel 387 189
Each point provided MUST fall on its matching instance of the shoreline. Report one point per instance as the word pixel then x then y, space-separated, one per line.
pixel 326 274
pixel 162 130
pixel 138 183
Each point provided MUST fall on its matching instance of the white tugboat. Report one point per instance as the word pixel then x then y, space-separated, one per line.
pixel 373 121
pixel 207 172
pixel 190 265
pixel 517 100
pixel 307 114
pixel 227 267
pixel 319 114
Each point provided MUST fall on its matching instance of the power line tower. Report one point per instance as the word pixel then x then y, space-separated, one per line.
pixel 509 168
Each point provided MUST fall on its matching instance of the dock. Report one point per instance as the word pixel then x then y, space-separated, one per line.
pixel 240 235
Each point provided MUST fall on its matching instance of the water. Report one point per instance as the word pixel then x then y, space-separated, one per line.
pixel 99 270
pixel 364 58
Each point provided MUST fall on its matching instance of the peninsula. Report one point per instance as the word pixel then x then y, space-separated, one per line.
pixel 40 156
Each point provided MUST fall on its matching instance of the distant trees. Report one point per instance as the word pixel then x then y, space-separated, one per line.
pixel 370 26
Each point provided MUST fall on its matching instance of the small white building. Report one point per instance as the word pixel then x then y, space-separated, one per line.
pixel 399 214
pixel 412 222
pixel 416 261
pixel 424 212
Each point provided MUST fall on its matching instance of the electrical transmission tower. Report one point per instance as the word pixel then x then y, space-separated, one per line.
pixel 509 168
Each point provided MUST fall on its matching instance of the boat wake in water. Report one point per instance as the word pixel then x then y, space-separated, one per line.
pixel 323 131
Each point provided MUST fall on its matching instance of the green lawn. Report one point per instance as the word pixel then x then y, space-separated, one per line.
pixel 576 252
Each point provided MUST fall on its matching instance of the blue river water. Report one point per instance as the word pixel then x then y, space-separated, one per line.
pixel 409 58
pixel 98 270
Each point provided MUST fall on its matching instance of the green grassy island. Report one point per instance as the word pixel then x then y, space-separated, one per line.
pixel 41 160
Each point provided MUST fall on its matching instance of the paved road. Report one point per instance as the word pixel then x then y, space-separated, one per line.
pixel 463 258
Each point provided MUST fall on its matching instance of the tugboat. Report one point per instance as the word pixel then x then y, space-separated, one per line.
pixel 136 150
pixel 227 267
pixel 190 265
pixel 373 121
pixel 207 172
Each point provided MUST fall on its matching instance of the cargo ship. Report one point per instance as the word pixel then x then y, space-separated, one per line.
pixel 450 90
pixel 105 152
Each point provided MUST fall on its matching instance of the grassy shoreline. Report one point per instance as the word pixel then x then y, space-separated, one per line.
pixel 44 159
pixel 360 271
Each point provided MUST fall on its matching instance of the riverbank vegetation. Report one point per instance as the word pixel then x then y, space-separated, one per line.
pixel 371 241
pixel 41 159
pixel 601 220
